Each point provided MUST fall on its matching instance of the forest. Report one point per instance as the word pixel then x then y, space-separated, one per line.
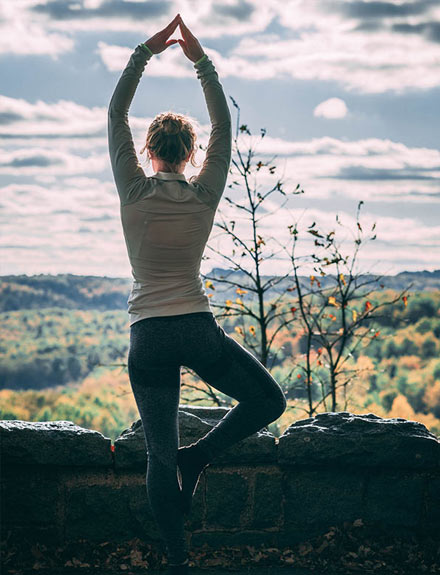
pixel 61 362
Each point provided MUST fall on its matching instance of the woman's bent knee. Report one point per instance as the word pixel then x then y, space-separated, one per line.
pixel 276 405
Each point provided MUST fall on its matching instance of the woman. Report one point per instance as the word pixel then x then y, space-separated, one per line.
pixel 166 221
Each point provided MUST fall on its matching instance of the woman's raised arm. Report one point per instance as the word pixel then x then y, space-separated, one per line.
pixel 214 172
pixel 129 176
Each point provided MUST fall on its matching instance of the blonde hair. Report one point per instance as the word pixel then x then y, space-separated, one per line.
pixel 171 137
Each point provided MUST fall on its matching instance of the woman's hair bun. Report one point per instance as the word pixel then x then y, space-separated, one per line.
pixel 171 126
pixel 171 137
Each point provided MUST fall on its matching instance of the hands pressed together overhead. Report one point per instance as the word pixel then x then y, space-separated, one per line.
pixel 190 45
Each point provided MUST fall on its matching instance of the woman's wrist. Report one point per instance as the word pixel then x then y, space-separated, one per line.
pixel 201 59
pixel 146 48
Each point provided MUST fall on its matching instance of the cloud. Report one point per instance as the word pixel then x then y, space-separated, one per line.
pixel 77 10
pixel 51 161
pixel 431 30
pixel 83 212
pixel 383 9
pixel 239 11
pixel 21 34
pixel 366 173
pixel 362 46
pixel 333 108
pixel 47 141
pixel 18 117
pixel 209 19
pixel 168 64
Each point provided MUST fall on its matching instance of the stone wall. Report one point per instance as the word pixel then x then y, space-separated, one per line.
pixel 61 482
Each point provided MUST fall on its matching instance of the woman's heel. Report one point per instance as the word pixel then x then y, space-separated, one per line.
pixel 192 464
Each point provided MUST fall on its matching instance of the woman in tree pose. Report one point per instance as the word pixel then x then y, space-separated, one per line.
pixel 166 221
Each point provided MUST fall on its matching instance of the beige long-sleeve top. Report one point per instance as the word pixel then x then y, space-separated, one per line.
pixel 166 219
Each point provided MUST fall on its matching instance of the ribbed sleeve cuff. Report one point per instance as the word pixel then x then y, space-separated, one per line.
pixel 202 59
pixel 146 49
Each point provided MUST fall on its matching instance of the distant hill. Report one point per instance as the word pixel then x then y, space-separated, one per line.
pixel 103 293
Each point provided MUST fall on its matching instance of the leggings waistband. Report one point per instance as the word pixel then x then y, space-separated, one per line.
pixel 183 315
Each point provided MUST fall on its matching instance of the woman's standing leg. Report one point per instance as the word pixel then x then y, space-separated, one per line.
pixel 155 381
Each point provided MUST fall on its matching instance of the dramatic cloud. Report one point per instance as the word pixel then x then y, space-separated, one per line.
pixel 333 108
pixel 64 138
pixel 368 47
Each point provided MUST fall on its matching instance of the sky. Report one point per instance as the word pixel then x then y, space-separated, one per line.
pixel 347 91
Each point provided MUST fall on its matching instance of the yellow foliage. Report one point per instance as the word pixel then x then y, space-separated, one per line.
pixel 432 395
pixel 410 362
pixel 402 408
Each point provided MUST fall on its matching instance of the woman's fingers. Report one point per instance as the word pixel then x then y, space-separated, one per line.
pixel 168 30
pixel 172 25
pixel 185 30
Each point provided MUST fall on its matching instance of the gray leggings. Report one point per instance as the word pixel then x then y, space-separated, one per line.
pixel 159 346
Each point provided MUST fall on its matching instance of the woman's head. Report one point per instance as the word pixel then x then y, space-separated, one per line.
pixel 171 139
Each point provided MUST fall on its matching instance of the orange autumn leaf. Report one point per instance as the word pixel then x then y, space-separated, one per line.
pixel 209 284
pixel 332 301
pixel 252 329
pixel 238 329
pixel 293 310
pixel 299 376
pixel 240 291
pixel 341 277
pixel 312 279
pixel 354 313
pixel 405 300
pixel 228 303
pixel 239 301
pixel 368 306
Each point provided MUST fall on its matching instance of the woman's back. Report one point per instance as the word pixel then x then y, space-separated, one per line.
pixel 166 233
pixel 167 219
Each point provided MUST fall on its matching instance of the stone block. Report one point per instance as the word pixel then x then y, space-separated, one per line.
pixel 433 504
pixel 268 499
pixel 30 496
pixel 131 452
pixel 227 499
pixel 53 443
pixel 130 448
pixel 393 498
pixel 105 512
pixel 321 497
pixel 359 440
